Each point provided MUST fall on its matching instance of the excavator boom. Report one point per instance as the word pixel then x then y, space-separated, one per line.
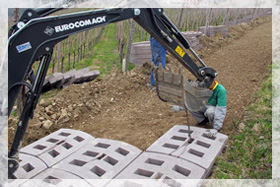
pixel 34 36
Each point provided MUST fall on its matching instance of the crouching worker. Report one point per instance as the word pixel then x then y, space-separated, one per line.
pixel 214 112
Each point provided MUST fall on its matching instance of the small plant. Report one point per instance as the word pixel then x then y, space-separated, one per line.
pixel 131 66
pixel 14 113
pixel 49 94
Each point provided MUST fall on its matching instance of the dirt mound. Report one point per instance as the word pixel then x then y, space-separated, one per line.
pixel 121 106
pixel 78 104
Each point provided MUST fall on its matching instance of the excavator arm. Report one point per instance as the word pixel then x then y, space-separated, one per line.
pixel 34 36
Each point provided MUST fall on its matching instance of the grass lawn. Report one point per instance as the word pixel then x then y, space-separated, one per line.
pixel 249 152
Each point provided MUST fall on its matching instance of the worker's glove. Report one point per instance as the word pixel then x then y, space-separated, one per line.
pixel 176 108
pixel 211 132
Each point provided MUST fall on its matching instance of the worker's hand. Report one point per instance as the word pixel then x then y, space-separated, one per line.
pixel 211 132
pixel 175 108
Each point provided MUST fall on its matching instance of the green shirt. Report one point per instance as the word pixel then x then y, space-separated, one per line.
pixel 219 96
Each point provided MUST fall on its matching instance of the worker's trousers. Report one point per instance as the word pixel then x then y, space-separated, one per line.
pixel 207 111
pixel 158 56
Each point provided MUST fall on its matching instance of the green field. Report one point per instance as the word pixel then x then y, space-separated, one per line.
pixel 249 151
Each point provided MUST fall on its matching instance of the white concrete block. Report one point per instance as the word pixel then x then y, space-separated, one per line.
pixel 203 151
pixel 57 177
pixel 29 166
pixel 58 145
pixel 101 159
pixel 161 167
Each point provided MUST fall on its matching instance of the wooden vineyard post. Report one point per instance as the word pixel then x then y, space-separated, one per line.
pixel 201 19
pixel 227 15
pixel 94 37
pixel 79 54
pixel 129 43
pixel 88 39
pixel 188 18
pixel 69 52
pixel 53 65
pixel 180 18
pixel 58 56
pixel 120 31
pixel 197 20
pixel 84 52
pixel 207 20
pixel 69 60
pixel 74 58
pixel 62 61
pixel 16 15
pixel 79 44
pixel 236 15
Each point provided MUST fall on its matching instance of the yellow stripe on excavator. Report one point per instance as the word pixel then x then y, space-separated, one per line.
pixel 180 51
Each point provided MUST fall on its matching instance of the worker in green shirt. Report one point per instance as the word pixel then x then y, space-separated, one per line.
pixel 214 112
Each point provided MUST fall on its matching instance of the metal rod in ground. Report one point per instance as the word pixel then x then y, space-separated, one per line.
pixel 189 128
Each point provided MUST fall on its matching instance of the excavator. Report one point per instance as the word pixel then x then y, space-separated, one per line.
pixel 36 33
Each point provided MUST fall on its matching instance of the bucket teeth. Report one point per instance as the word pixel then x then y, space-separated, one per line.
pixel 181 70
pixel 175 88
pixel 171 69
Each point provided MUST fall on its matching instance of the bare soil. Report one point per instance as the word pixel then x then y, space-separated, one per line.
pixel 121 106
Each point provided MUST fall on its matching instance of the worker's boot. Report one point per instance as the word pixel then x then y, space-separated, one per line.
pixel 203 122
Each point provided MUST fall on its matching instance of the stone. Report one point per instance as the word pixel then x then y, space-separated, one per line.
pixel 47 124
pixel 76 115
pixel 45 103
pixel 11 120
pixel 37 115
pixel 41 118
pixel 36 125
pixel 241 127
pixel 48 110
pixel 256 128
pixel 70 107
pixel 54 116
pixel 63 117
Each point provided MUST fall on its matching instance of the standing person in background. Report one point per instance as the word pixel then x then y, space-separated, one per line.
pixel 158 56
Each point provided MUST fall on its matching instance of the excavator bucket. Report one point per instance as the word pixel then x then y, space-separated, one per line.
pixel 175 88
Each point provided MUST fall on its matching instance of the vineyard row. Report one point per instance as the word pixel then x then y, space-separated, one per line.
pixel 68 53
